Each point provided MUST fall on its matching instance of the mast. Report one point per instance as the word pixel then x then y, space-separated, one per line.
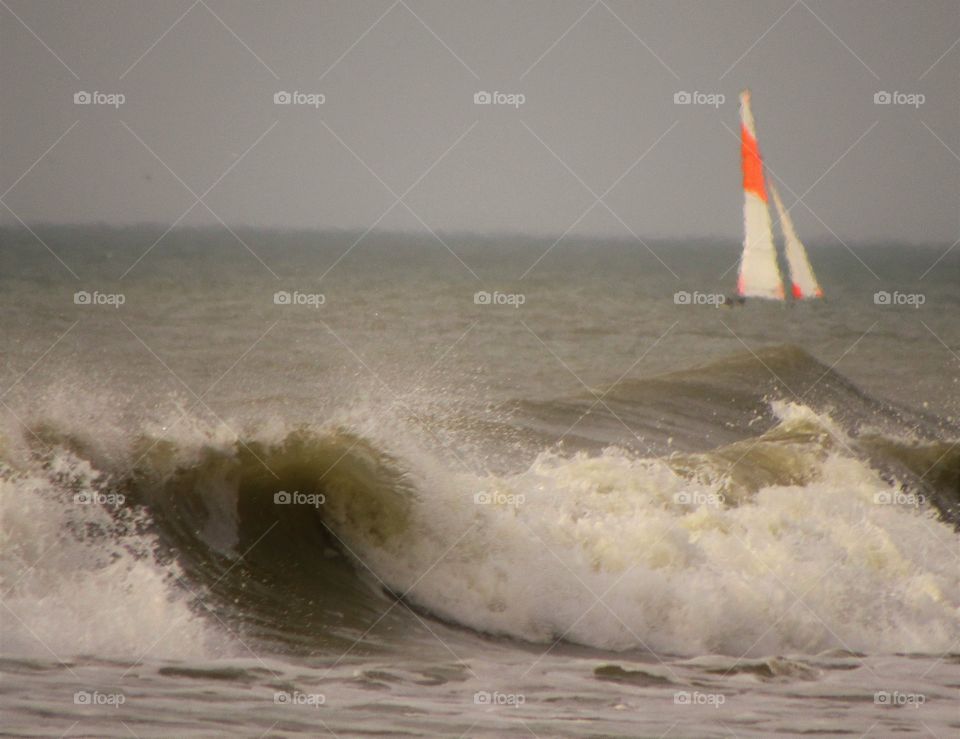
pixel 803 280
pixel 759 274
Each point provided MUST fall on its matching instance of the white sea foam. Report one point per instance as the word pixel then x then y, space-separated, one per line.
pixel 618 552
pixel 77 580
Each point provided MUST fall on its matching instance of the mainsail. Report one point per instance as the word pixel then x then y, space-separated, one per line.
pixel 805 283
pixel 759 273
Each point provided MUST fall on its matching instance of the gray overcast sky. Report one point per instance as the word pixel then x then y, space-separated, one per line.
pixel 399 79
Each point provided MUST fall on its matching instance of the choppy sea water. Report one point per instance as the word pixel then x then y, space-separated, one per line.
pixel 484 487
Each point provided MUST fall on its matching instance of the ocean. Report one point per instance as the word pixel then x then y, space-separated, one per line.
pixel 271 483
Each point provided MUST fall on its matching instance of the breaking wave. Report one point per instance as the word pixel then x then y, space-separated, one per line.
pixel 706 511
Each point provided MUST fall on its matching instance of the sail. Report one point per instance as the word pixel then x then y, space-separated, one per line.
pixel 805 283
pixel 759 273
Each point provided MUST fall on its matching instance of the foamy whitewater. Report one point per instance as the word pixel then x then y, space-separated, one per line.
pixel 399 508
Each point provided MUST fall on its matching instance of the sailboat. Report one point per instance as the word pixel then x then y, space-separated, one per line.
pixel 759 272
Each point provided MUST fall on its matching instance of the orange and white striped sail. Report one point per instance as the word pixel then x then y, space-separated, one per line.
pixel 803 280
pixel 759 273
